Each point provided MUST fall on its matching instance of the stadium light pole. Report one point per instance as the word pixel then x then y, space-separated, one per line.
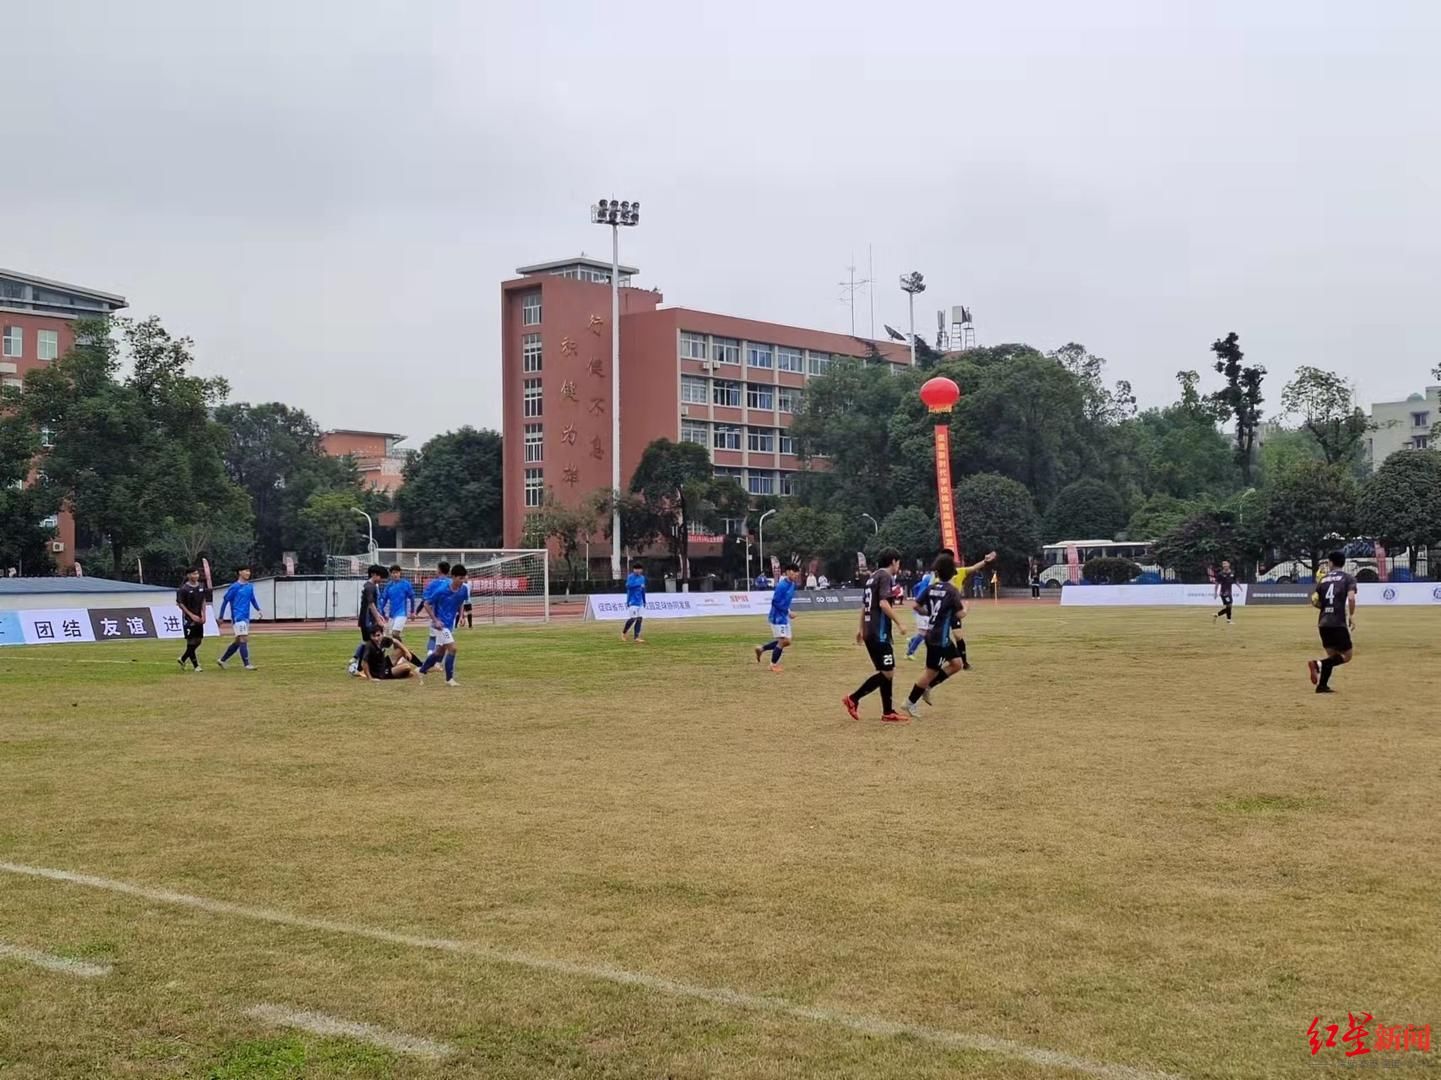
pixel 761 538
pixel 369 530
pixel 875 528
pixel 615 214
pixel 911 284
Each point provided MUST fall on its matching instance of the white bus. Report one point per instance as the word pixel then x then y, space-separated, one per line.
pixel 1055 558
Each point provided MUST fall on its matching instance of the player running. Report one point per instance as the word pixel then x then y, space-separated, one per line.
pixel 370 615
pixel 399 602
pixel 191 598
pixel 879 624
pixel 444 606
pixel 780 617
pixel 1225 582
pixel 239 600
pixel 943 658
pixel 1335 595
pixel 434 586
pixel 634 602
pixel 921 605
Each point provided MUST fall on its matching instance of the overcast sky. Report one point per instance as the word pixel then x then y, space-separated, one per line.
pixel 325 195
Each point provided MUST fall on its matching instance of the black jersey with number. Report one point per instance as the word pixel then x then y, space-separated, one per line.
pixel 1225 580
pixel 1333 590
pixel 947 607
pixel 191 598
pixel 876 626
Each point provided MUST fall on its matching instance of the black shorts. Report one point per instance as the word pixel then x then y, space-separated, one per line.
pixel 1226 601
pixel 883 654
pixel 938 656
pixel 195 631
pixel 1336 638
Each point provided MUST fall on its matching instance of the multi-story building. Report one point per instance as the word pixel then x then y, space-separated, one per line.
pixel 1403 425
pixel 375 454
pixel 729 384
pixel 37 327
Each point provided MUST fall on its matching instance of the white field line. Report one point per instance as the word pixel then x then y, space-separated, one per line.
pixel 51 962
pixel 716 995
pixel 321 1024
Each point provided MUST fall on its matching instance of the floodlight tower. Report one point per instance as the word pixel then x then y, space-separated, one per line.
pixel 911 284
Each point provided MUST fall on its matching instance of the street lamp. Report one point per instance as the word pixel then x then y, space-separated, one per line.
pixel 369 529
pixel 875 528
pixel 615 214
pixel 911 284
pixel 761 538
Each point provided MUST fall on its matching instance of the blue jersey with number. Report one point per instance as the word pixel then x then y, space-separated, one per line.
pixel 399 598
pixel 635 590
pixel 447 604
pixel 240 599
pixel 781 599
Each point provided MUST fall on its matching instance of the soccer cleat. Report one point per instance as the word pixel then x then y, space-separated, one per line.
pixel 1314 669
pixel 895 718
pixel 851 707
pixel 451 682
pixel 625 639
pixel 910 656
pixel 913 710
pixel 1324 690
pixel 639 640
pixel 926 696
pixel 250 667
pixel 220 664
pixel 759 650
pixel 181 661
pixel 197 669
pixel 776 668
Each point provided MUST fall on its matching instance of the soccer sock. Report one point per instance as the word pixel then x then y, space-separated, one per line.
pixel 234 648
pixel 626 629
pixel 916 692
pixel 914 644
pixel 776 652
pixel 1228 612
pixel 888 703
pixel 873 683
pixel 637 626
pixel 449 666
pixel 429 645
pixel 1326 666
pixel 941 676
pixel 769 645
pixel 245 653
pixel 430 662
pixel 961 649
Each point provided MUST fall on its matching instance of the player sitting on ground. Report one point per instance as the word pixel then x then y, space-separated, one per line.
pixel 370 616
pixel 387 658
pixel 239 600
pixel 634 601
pixel 444 606
pixel 399 601
pixel 1335 595
pixel 943 658
pixel 780 617
pixel 879 624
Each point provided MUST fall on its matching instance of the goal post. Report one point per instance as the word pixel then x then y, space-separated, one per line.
pixel 505 583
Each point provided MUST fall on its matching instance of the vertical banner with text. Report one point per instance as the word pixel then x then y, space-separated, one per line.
pixel 945 498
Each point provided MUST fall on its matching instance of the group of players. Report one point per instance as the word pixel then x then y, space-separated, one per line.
pixel 387 607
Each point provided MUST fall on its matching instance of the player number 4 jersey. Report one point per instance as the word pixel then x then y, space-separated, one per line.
pixel 1332 591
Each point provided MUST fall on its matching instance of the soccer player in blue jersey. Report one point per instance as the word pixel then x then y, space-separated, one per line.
pixel 399 602
pixel 634 601
pixel 240 601
pixel 444 606
pixel 433 586
pixel 780 617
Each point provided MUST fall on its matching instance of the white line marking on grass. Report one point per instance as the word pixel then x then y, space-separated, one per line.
pixel 51 962
pixel 321 1024
pixel 715 995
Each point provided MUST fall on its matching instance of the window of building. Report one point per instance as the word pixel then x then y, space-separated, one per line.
pixel 1420 442
pixel 726 350
pixel 694 431
pixel 692 346
pixel 761 483
pixel 534 443
pixel 1420 419
pixel 787 399
pixel 532 398
pixel 788 483
pixel 726 472
pixel 788 444
pixel 759 396
pixel 11 290
pixel 758 355
pixel 47 344
pixel 534 487
pixel 820 363
pixel 530 352
pixel 788 359
pixel 761 440
pixel 694 391
pixel 530 309
pixel 726 393
pixel 14 341
pixel 47 438
pixel 727 437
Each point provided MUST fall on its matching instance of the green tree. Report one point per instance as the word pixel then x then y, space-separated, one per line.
pixel 452 493
pixel 675 485
pixel 804 533
pixel 1103 406
pixel 1198 544
pixel 911 531
pixel 130 454
pixel 226 538
pixel 1283 450
pixel 996 513
pixel 1327 406
pixel 1307 505
pixel 1158 515
pixel 1401 504
pixel 1240 399
pixel 332 520
pixel 22 538
pixel 565 526
pixel 1084 510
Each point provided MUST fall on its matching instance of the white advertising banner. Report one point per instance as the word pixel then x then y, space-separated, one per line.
pixel 1203 595
pixel 1383 594
pixel 611 606
pixel 63 626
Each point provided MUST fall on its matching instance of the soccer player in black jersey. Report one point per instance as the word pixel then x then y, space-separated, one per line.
pixel 943 655
pixel 1225 582
pixel 191 599
pixel 1335 595
pixel 879 626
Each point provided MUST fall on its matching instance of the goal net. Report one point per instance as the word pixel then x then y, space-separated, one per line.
pixel 504 583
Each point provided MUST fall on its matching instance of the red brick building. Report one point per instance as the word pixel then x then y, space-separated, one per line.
pixel 730 384
pixel 37 327
pixel 381 465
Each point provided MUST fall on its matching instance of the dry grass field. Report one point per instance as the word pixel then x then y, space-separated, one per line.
pixel 1130 844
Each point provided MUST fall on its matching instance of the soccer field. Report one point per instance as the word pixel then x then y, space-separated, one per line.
pixel 1130 844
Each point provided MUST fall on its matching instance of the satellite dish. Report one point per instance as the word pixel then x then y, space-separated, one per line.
pixel 895 334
